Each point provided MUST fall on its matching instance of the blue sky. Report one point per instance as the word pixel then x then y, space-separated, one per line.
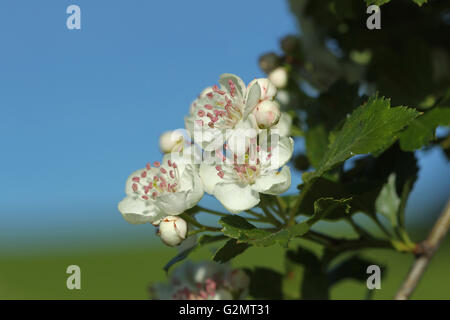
pixel 81 109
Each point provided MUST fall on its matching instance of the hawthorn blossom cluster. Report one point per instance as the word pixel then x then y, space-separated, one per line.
pixel 203 281
pixel 235 147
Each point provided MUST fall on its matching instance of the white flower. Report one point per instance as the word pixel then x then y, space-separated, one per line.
pixel 171 141
pixel 284 124
pixel 172 230
pixel 167 188
pixel 221 109
pixel 279 77
pixel 267 114
pixel 268 89
pixel 201 95
pixel 237 184
pixel 203 281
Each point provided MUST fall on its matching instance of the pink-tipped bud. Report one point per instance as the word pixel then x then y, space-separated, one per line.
pixel 172 230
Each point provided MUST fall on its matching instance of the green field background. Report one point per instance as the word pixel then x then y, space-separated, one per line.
pixel 124 272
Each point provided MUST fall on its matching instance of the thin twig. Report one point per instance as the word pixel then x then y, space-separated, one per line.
pixel 342 244
pixel 257 215
pixel 217 213
pixel 271 217
pixel 425 252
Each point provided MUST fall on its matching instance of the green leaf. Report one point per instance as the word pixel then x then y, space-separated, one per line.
pixel 376 2
pixel 323 188
pixel 265 284
pixel 240 229
pixel 316 144
pixel 388 202
pixel 353 267
pixel 369 128
pixel 305 264
pixel 422 130
pixel 420 2
pixel 204 240
pixel 230 250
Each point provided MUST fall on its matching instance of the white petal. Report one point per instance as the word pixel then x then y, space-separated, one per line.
pixel 208 174
pixel 238 83
pixel 196 191
pixel 253 97
pixel 172 203
pixel 190 193
pixel 281 151
pixel 268 89
pixel 284 124
pixel 236 198
pixel 275 183
pixel 137 211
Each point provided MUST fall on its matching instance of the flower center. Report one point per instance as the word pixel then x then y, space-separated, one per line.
pixel 156 180
pixel 245 172
pixel 220 111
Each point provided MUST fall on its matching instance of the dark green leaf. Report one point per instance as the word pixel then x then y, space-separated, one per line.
pixel 240 229
pixel 353 267
pixel 316 144
pixel 265 284
pixel 421 131
pixel 368 129
pixel 204 240
pixel 314 282
pixel 230 250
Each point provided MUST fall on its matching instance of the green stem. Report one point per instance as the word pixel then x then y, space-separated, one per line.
pixel 339 244
pixel 217 213
pixel 297 204
pixel 271 217
pixel 194 222
pixel 359 230
pixel 281 204
pixel 380 226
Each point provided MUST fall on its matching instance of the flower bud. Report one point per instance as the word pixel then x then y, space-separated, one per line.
pixel 171 141
pixel 267 114
pixel 279 77
pixel 290 44
pixel 268 90
pixel 172 230
pixel 268 62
